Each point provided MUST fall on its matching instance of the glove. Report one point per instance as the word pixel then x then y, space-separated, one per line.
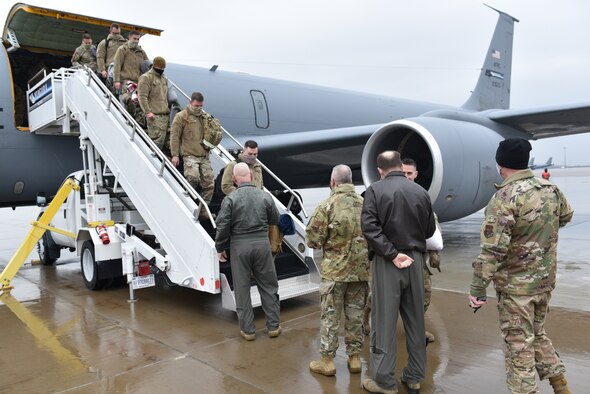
pixel 434 259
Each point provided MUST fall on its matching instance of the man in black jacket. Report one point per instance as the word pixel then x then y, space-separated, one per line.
pixel 397 219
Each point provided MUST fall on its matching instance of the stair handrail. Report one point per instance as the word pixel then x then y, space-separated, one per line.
pixel 137 129
pixel 265 168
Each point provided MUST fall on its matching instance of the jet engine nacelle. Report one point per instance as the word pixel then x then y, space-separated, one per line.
pixel 456 160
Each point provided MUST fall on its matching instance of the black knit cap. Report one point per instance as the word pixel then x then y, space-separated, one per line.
pixel 514 153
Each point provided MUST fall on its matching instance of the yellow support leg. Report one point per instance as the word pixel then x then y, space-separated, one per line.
pixel 44 336
pixel 35 234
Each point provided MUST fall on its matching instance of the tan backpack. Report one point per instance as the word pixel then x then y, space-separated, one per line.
pixel 275 236
pixel 212 132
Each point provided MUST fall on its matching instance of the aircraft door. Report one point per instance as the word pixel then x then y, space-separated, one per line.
pixel 260 109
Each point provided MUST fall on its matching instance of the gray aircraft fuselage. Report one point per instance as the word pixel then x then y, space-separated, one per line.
pixel 304 130
pixel 248 107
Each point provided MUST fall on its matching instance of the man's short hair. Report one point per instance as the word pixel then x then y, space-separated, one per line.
pixel 389 160
pixel 86 36
pixel 197 96
pixel 342 174
pixel 134 33
pixel 251 144
pixel 115 26
pixel 409 162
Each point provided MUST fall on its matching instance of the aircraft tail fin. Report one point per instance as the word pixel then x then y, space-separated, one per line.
pixel 531 162
pixel 549 162
pixel 493 86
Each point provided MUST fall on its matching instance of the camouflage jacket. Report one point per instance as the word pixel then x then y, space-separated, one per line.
pixel 335 227
pixel 83 56
pixel 134 110
pixel 227 183
pixel 186 133
pixel 519 237
pixel 153 93
pixel 127 63
pixel 106 55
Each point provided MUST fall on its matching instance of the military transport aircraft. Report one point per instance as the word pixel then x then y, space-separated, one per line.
pixel 547 164
pixel 304 129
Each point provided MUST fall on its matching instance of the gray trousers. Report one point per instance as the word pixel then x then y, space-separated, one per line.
pixel 397 291
pixel 251 256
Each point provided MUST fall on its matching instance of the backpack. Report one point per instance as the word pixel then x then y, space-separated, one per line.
pixel 212 133
pixel 275 237
pixel 217 191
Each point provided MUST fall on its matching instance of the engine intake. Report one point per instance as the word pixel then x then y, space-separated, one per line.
pixel 460 186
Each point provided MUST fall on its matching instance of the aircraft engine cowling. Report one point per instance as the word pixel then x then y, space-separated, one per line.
pixel 456 160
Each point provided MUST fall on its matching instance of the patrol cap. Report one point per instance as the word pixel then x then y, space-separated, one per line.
pixel 513 153
pixel 159 62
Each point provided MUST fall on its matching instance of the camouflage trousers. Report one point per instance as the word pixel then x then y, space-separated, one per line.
pixel 198 171
pixel 135 111
pixel 335 297
pixel 527 347
pixel 433 259
pixel 157 128
pixel 426 274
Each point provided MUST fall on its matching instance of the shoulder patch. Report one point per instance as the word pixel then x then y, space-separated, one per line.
pixel 488 231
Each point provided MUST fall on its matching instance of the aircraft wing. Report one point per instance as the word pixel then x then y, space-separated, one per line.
pixel 547 122
pixel 306 159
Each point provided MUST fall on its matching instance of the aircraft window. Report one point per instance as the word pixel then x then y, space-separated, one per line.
pixel 260 109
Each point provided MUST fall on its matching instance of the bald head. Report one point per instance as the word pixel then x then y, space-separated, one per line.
pixel 341 174
pixel 241 174
pixel 388 161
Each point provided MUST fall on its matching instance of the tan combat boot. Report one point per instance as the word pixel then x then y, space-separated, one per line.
pixel 559 384
pixel 325 366
pixel 354 363
pixel 372 387
pixel 275 333
pixel 248 337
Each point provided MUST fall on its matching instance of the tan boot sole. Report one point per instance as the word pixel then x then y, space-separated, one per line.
pixel 331 372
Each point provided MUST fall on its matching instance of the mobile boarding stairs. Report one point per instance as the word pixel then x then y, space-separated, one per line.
pixel 120 159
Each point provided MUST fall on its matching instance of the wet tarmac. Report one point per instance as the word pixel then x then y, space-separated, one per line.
pixel 57 336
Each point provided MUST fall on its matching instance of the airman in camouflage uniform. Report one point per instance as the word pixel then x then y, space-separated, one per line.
pixel 248 156
pixel 187 140
pixel 106 49
pixel 153 99
pixel 131 102
pixel 335 227
pixel 433 260
pixel 85 54
pixel 519 254
pixel 128 60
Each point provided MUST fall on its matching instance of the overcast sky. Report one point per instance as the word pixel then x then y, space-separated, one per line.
pixel 428 50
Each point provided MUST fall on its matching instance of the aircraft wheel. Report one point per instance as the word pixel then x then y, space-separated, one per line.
pixel 90 267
